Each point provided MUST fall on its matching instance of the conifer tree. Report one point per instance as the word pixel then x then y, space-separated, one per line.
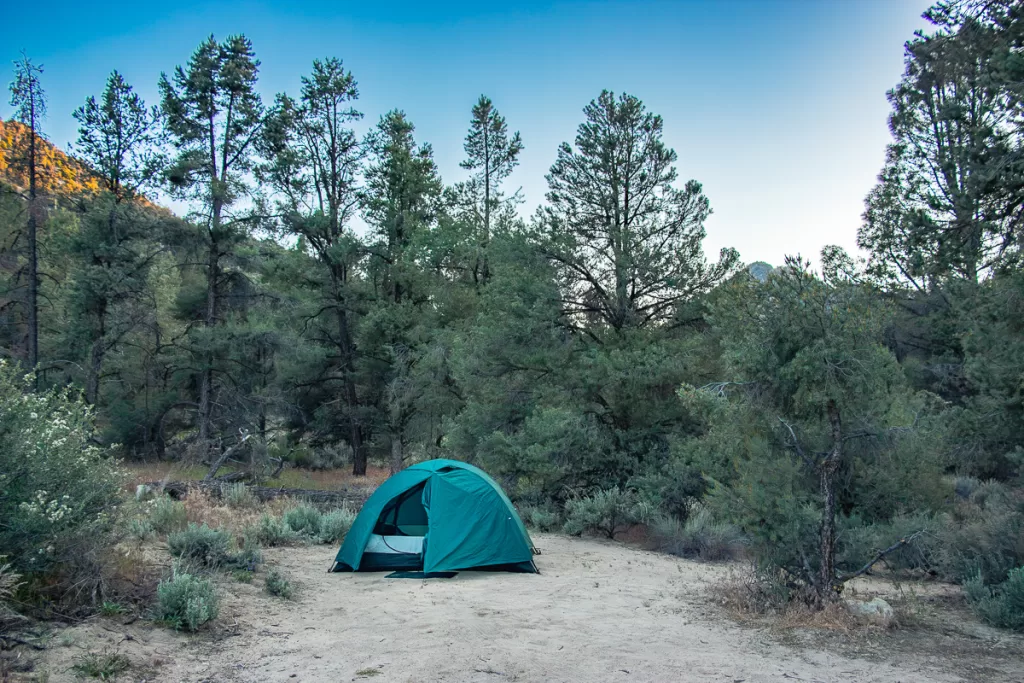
pixel 492 155
pixel 628 242
pixel 118 235
pixel 214 116
pixel 314 163
pixel 29 102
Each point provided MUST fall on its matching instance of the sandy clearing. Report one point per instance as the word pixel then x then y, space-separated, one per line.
pixel 600 611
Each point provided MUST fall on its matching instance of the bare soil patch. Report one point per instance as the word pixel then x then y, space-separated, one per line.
pixel 599 611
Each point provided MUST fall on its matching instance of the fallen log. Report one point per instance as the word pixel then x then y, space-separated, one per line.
pixel 354 496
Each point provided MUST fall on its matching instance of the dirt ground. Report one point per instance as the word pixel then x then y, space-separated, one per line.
pixel 599 611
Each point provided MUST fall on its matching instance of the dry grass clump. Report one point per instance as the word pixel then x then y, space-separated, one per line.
pixel 763 597
pixel 203 508
pixel 9 582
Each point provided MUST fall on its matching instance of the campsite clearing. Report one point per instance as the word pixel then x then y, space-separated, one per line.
pixel 599 611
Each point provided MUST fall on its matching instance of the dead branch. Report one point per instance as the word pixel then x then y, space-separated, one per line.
pixel 224 457
pixel 881 555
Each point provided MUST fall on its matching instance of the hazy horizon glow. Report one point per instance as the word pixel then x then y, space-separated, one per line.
pixel 777 107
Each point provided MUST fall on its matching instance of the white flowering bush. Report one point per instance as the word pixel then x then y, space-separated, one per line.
pixel 58 491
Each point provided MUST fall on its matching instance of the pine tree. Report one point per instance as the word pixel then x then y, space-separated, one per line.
pixel 947 204
pixel 492 155
pixel 214 117
pixel 116 240
pixel 29 102
pixel 400 204
pixel 627 241
pixel 314 163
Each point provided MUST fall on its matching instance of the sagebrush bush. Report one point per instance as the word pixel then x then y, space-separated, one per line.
pixel 238 496
pixel 59 490
pixel 608 512
pixel 140 529
pixel 335 524
pixel 539 518
pixel 167 515
pixel 303 520
pixel 276 584
pixel 271 531
pixel 201 546
pixel 249 557
pixel 1001 605
pixel 186 602
pixel 699 536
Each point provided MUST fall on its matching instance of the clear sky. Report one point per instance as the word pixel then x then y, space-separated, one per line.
pixel 777 106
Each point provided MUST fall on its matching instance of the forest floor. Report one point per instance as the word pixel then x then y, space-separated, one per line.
pixel 598 611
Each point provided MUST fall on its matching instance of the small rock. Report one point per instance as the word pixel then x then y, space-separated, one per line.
pixel 876 610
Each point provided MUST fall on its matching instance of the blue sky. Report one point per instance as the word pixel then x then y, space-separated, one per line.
pixel 777 107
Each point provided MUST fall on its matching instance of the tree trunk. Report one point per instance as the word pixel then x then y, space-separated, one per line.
pixel 396 453
pixel 206 379
pixel 827 534
pixel 351 397
pixel 33 255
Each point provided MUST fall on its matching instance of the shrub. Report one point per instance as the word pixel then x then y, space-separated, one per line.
pixel 270 531
pixel 104 665
pixel 9 583
pixel 984 536
pixel 140 529
pixel 539 518
pixel 1001 605
pixel 700 536
pixel 335 524
pixel 111 609
pixel 242 575
pixel 277 584
pixel 59 490
pixel 186 602
pixel 238 496
pixel 607 512
pixel 304 520
pixel 201 546
pixel 756 590
pixel 249 557
pixel 168 515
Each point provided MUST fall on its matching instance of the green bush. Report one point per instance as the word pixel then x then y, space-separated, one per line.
pixel 271 531
pixel 276 584
pixel 984 536
pixel 112 609
pixel 335 524
pixel 1001 605
pixel 539 518
pixel 699 536
pixel 59 490
pixel 238 496
pixel 201 546
pixel 249 557
pixel 167 515
pixel 303 520
pixel 606 512
pixel 242 575
pixel 140 529
pixel 186 602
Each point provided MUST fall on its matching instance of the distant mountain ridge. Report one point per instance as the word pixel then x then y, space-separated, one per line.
pixel 59 173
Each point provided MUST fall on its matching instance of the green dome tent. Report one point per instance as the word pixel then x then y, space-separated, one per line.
pixel 435 516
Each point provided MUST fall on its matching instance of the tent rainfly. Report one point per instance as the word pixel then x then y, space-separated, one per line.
pixel 438 515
